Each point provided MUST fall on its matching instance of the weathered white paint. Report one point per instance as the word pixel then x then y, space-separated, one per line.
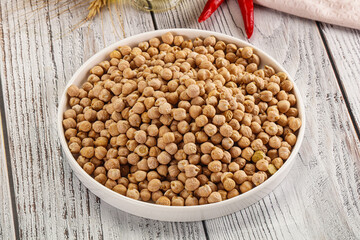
pixel 344 47
pixel 39 53
pixel 7 229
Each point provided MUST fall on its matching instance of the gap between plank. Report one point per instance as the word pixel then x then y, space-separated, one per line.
pixel 8 163
pixel 205 230
pixel 338 79
pixel 152 16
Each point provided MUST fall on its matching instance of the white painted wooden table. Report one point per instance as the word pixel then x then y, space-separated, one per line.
pixel 40 198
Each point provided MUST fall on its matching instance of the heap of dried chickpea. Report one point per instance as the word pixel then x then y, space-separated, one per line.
pixel 182 122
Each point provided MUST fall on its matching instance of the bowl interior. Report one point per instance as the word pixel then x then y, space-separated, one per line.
pixel 82 73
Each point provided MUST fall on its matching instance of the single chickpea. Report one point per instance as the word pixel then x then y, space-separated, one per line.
pixel 247 52
pixel 189 138
pixel 177 201
pixel 195 111
pixel 227 143
pixel 167 38
pixel 262 165
pixel 277 162
pixel 145 195
pixel 154 185
pixel 176 186
pixel 290 138
pixel 89 168
pixel 215 166
pixel 246 186
pixel 210 41
pixel 114 174
pixel 275 142
pixel 217 153
pixel 226 130
pixel 249 169
pixel 191 201
pixel 171 148
pixel 294 123
pixel 119 188
pixel 163 201
pixel 247 153
pixel 133 193
pixel 240 176
pixel 191 184
pixel 210 129
pixel 201 121
pixel 140 136
pixel 179 114
pixel 284 153
pixel 69 123
pixel 283 106
pixel 152 163
pixel 193 91
pixel 141 150
pixel 165 108
pixel 223 105
pixel 168 137
pixel 178 40
pixel 214 197
pixel 287 85
pixel 101 178
pixel 140 175
pixel 74 148
pixel 164 158
pixel 87 152
pixel 258 178
pixel 218 120
pixel 191 170
pixel 271 129
pixel 190 148
pixel 229 184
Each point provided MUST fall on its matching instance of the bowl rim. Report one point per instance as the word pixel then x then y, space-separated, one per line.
pixel 181 31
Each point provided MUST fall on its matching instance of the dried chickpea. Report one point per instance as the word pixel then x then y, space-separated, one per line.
pixel 133 193
pixel 154 185
pixel 258 178
pixel 119 188
pixel 163 201
pixel 214 197
pixel 277 162
pixel 191 184
pixel 262 165
pixel 246 186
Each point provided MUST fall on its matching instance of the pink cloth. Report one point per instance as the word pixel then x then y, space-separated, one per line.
pixel 339 12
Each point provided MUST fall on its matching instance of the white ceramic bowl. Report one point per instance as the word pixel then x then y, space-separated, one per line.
pixel 174 213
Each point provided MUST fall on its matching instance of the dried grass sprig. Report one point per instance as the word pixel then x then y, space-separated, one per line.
pixel 95 7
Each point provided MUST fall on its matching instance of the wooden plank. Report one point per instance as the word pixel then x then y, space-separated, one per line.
pixel 117 223
pixel 344 47
pixel 7 228
pixel 319 198
pixel 40 52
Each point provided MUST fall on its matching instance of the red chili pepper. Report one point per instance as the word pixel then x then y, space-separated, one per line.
pixel 209 9
pixel 247 11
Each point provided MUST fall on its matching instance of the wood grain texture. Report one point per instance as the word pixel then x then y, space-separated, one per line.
pixel 344 48
pixel 40 52
pixel 320 197
pixel 7 229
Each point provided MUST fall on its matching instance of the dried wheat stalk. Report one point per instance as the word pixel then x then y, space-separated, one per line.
pixel 95 7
